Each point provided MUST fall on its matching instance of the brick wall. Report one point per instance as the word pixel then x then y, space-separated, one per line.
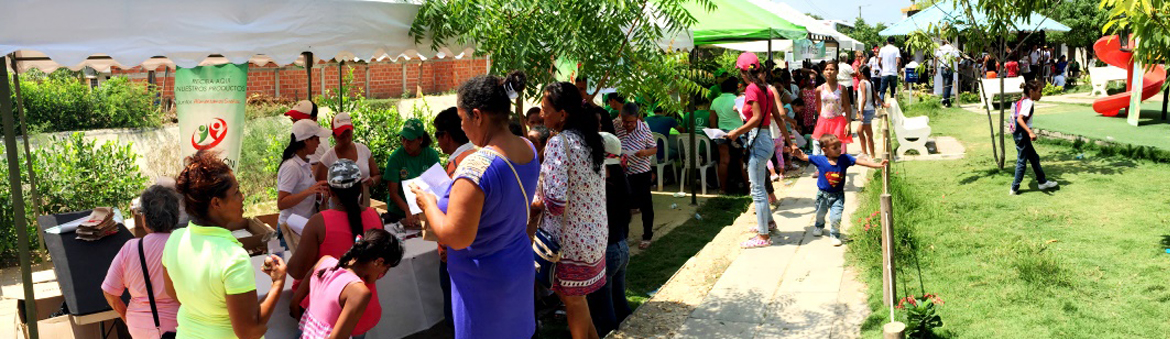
pixel 377 80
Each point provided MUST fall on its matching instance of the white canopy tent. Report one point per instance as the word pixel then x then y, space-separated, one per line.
pixel 134 32
pixel 48 34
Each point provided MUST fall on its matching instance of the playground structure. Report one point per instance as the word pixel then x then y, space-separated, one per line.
pixel 1108 49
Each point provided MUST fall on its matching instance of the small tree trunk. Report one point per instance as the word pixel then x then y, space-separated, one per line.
pixel 990 125
pixel 1002 148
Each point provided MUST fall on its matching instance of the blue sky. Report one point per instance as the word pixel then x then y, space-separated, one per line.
pixel 887 11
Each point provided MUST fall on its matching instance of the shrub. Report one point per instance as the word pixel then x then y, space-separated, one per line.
pixel 264 142
pixel 60 101
pixel 72 174
pixel 968 97
pixel 1051 89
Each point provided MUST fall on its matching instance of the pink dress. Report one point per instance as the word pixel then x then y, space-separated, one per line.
pixel 832 120
pixel 324 294
pixel 126 274
pixel 809 116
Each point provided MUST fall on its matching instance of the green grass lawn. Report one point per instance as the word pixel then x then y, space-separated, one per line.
pixel 1082 120
pixel 1085 261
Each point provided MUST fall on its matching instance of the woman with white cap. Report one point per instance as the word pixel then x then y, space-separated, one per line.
pixel 298 192
pixel 331 233
pixel 307 110
pixel 345 148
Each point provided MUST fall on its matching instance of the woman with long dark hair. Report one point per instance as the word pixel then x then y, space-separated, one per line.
pixel 298 191
pixel 483 218
pixel 332 232
pixel 572 195
pixel 204 266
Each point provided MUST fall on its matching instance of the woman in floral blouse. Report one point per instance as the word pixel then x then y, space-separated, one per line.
pixel 571 191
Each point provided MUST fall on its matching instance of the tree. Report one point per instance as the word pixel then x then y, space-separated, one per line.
pixel 614 42
pixel 1085 21
pixel 867 34
pixel 1148 20
pixel 989 33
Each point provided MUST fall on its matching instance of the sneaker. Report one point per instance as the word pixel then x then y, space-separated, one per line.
pixel 1014 192
pixel 817 231
pixel 756 242
pixel 1048 184
pixel 836 240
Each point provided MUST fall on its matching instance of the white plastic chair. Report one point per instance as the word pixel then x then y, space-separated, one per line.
pixel 703 143
pixel 663 143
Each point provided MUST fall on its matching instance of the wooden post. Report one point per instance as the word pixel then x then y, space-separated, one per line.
pixel 309 75
pixel 889 277
pixel 894 330
pixel 28 156
pixel 276 81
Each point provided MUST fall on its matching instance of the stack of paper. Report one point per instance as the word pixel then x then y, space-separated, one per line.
pixel 434 181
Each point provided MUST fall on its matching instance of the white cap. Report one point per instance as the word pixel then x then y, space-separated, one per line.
pixel 613 146
pixel 341 122
pixel 305 129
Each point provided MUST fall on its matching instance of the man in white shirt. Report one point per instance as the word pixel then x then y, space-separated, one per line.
pixel 845 74
pixel 1034 61
pixel 946 56
pixel 875 69
pixel 891 61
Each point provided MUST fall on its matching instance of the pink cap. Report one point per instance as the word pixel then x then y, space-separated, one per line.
pixel 747 61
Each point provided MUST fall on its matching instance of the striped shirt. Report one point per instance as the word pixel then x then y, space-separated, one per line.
pixel 633 141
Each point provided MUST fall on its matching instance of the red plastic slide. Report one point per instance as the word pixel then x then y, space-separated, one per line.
pixel 1108 48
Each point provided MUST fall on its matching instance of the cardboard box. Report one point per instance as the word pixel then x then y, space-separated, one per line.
pixel 257 243
pixel 60 327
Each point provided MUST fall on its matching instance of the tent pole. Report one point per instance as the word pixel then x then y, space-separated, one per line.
pixel 28 156
pixel 14 185
pixel 693 175
pixel 340 95
pixel 308 75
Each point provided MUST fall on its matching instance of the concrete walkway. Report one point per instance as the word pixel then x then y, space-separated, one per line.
pixel 797 288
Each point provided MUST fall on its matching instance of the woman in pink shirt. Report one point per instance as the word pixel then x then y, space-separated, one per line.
pixel 338 289
pixel 160 208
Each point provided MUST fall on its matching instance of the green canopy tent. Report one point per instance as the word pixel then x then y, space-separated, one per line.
pixel 734 21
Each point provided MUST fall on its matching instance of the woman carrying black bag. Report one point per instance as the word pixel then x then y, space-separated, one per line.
pixel 152 312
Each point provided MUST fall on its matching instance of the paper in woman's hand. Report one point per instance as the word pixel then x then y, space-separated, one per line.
pixel 434 181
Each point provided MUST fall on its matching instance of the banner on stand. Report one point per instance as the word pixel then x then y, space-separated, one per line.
pixel 210 105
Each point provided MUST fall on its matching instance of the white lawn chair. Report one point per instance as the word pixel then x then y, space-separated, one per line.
pixel 703 143
pixel 664 143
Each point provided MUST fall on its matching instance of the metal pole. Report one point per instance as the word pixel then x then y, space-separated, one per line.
pixel 1165 100
pixel 309 74
pixel 694 153
pixel 19 223
pixel 340 89
pixel 28 156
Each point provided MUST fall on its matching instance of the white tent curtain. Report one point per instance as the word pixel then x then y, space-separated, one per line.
pixel 134 32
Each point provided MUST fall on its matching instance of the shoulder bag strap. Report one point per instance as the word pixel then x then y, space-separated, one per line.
pixel 524 192
pixel 149 287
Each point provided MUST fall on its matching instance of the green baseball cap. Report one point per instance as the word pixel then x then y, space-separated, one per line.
pixel 412 129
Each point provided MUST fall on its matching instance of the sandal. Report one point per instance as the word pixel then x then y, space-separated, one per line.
pixel 756 242
pixel 644 245
pixel 771 226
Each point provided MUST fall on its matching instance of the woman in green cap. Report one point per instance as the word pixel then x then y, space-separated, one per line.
pixel 407 162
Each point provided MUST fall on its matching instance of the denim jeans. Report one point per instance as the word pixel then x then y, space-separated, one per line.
pixel 832 203
pixel 608 306
pixel 891 82
pixel 762 149
pixel 1025 153
pixel 948 80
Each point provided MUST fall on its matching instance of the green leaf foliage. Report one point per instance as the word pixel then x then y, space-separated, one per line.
pixel 1145 19
pixel 61 101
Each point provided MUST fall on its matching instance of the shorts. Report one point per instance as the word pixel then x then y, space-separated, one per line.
pixel 867 116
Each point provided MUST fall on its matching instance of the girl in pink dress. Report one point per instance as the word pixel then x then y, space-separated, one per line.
pixel 833 101
pixel 337 288
pixel 808 93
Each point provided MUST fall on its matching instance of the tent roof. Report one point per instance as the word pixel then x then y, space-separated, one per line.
pixel 134 32
pixel 739 20
pixel 786 12
pixel 945 11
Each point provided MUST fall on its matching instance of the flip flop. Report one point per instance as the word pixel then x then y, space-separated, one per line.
pixel 756 242
pixel 644 245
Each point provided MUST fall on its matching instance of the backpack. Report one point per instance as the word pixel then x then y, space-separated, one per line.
pixel 1015 115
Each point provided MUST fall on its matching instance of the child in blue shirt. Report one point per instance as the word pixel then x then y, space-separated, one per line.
pixel 831 181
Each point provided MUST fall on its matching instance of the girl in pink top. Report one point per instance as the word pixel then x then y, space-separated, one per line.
pixel 160 208
pixel 332 232
pixel 833 100
pixel 338 288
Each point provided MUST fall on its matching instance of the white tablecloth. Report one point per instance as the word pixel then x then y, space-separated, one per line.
pixel 410 295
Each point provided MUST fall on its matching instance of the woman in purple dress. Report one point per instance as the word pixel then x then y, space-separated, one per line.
pixel 483 217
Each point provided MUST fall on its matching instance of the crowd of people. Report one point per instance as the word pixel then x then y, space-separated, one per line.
pixel 568 177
